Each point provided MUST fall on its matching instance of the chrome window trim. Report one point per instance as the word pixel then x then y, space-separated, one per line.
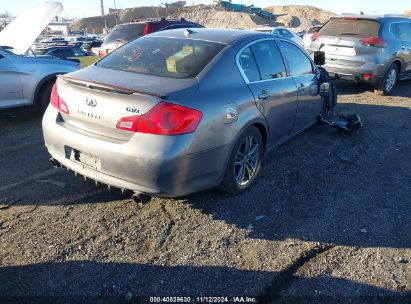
pixel 247 46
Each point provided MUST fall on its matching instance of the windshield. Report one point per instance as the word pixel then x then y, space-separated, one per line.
pixel 358 28
pixel 166 57
pixel 125 33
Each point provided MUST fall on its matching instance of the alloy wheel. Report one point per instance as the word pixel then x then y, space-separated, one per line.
pixel 246 160
pixel 391 79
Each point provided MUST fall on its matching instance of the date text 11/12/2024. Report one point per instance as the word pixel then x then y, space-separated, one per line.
pixel 203 300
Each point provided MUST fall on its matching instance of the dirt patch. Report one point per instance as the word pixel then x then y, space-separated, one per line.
pixel 315 227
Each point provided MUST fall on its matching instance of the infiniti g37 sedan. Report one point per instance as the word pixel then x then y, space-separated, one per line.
pixel 181 111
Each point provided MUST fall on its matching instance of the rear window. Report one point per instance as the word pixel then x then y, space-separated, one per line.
pixel 166 57
pixel 313 30
pixel 126 32
pixel 361 28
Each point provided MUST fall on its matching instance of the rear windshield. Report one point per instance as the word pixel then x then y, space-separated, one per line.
pixel 125 33
pixel 313 29
pixel 166 57
pixel 360 28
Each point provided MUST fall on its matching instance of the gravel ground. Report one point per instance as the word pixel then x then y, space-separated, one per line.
pixel 327 221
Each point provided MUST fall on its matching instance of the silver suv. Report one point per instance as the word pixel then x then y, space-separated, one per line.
pixel 372 49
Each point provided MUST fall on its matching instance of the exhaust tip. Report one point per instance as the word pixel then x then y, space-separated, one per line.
pixel 55 163
pixel 140 198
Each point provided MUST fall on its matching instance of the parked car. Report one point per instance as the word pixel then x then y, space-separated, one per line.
pixel 26 80
pixel 92 46
pixel 309 33
pixel 70 53
pixel 181 111
pixel 123 33
pixel 282 32
pixel 372 49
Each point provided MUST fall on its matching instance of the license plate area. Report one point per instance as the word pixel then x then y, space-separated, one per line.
pixel 84 158
pixel 338 50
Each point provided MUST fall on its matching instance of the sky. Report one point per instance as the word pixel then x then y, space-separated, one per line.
pixel 86 8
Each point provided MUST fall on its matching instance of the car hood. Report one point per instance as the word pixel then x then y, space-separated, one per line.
pixel 24 30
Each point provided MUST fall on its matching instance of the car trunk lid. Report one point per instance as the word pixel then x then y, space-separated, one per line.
pixel 96 106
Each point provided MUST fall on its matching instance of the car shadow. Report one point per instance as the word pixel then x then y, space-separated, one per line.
pixel 113 282
pixel 352 88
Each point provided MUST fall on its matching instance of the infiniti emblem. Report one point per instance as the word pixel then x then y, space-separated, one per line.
pixel 91 102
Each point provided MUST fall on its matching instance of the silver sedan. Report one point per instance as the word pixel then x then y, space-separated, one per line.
pixel 181 111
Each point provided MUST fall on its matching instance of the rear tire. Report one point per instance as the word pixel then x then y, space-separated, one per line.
pixel 43 99
pixel 244 163
pixel 388 83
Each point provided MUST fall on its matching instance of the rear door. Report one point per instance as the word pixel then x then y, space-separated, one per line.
pixel 304 75
pixel 402 31
pixel 274 91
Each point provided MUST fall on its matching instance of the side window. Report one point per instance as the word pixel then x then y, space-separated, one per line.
pixel 68 52
pixel 297 60
pixel 269 60
pixel 403 31
pixel 78 52
pixel 54 53
pixel 249 66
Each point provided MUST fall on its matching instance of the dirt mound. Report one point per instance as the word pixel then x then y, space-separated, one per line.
pixel 295 16
pixel 215 17
pixel 96 24
pixel 300 16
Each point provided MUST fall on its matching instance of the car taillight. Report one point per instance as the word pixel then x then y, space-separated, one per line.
pixel 374 41
pixel 315 36
pixel 146 29
pixel 164 119
pixel 57 102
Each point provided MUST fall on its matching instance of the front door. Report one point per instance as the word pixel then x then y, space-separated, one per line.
pixel 304 76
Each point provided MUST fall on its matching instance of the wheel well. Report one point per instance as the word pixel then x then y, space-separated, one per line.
pixel 263 132
pixel 42 85
pixel 398 63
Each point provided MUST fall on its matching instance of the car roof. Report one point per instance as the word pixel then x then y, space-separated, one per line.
pixel 372 17
pixel 225 36
pixel 270 28
pixel 165 21
pixel 60 47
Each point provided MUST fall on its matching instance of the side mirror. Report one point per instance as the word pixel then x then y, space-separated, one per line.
pixel 324 88
pixel 319 58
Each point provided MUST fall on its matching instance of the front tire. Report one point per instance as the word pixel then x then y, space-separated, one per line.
pixel 244 163
pixel 387 85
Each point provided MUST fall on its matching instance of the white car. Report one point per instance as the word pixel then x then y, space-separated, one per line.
pixel 282 32
pixel 307 37
pixel 26 79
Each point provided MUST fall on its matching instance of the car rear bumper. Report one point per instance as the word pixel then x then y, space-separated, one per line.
pixel 351 74
pixel 353 68
pixel 154 165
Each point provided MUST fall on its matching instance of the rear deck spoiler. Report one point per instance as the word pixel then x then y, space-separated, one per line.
pixel 93 85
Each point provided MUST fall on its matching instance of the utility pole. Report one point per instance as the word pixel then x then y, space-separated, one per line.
pixel 102 7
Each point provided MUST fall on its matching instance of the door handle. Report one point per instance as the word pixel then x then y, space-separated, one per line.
pixel 264 95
